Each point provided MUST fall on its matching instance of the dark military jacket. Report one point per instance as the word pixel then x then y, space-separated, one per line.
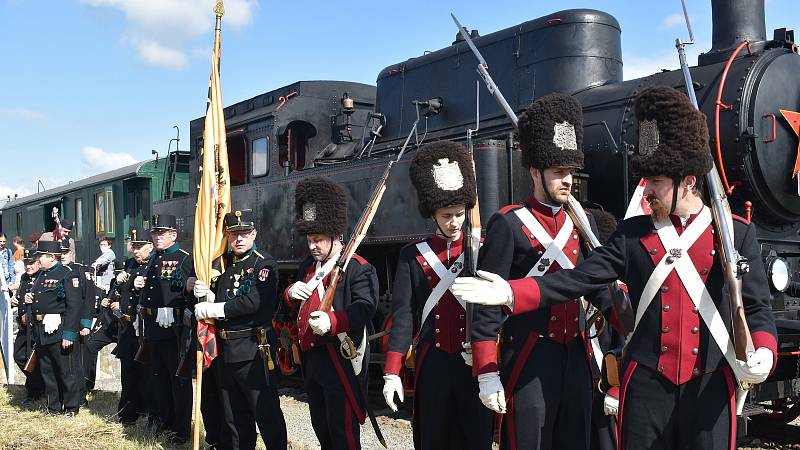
pixel 249 289
pixel 89 294
pixel 166 272
pixel 25 285
pixel 671 338
pixel 57 291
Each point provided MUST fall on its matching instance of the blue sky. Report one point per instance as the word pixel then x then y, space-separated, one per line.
pixel 91 85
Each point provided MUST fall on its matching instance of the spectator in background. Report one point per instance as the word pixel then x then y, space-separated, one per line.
pixel 19 249
pixel 104 264
pixel 19 264
pixel 6 264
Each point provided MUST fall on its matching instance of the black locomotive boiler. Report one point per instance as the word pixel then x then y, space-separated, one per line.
pixel 349 131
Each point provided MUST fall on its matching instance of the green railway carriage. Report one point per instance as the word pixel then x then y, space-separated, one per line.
pixel 108 204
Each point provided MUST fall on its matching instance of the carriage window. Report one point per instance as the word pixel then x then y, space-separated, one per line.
pixel 260 164
pixel 100 212
pixel 78 219
pixel 19 224
pixel 109 211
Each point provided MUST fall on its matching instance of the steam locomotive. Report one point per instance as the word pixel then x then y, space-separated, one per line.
pixel 349 131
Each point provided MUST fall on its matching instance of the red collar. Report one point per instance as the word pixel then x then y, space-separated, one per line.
pixel 439 244
pixel 541 208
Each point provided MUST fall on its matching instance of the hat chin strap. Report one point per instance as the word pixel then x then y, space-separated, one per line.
pixel 547 195
pixel 676 184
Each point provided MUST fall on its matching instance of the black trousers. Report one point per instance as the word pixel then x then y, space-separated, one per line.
pixel 92 345
pixel 550 393
pixel 172 395
pixel 333 415
pixel 658 415
pixel 61 375
pixel 34 386
pixel 211 406
pixel 248 399
pixel 447 411
pixel 604 428
pixel 134 377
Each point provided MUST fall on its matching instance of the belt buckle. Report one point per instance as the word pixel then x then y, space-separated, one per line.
pixel 223 334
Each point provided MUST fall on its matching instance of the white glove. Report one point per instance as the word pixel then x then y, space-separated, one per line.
pixel 319 322
pixel 300 291
pixel 485 289
pixel 208 310
pixel 757 367
pixel 200 290
pixel 610 405
pixel 51 323
pixel 491 392
pixel 165 317
pixel 467 358
pixel 391 386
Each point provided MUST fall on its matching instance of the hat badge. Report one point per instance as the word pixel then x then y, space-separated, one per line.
pixel 447 175
pixel 238 215
pixel 133 234
pixel 648 137
pixel 309 212
pixel 564 136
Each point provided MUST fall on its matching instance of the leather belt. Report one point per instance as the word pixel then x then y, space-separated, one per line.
pixel 227 335
pixel 38 317
pixel 147 311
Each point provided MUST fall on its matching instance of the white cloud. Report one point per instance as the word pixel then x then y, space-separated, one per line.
pixel 7 190
pixel 96 160
pixel 21 114
pixel 672 21
pixel 161 30
pixel 635 66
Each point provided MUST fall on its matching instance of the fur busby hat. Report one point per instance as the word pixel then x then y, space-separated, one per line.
pixel 443 176
pixel 320 207
pixel 672 135
pixel 606 223
pixel 550 133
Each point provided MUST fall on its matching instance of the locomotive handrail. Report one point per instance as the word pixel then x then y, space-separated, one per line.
pixel 719 106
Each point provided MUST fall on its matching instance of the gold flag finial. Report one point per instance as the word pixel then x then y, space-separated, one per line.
pixel 219 8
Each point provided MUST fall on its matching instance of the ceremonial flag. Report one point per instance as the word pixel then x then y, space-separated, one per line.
pixel 213 197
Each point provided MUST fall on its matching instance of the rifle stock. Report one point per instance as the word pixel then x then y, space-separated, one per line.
pixel 30 363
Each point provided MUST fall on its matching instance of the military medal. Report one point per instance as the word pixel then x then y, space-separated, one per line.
pixel 236 277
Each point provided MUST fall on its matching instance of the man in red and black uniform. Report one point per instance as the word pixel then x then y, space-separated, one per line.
pixel 544 386
pixel 447 412
pixel 331 381
pixel 680 370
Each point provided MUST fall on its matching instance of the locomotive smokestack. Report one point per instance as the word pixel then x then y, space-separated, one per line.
pixel 736 20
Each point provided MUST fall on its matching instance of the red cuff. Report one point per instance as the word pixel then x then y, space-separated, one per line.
pixel 526 295
pixel 339 322
pixel 394 362
pixel 767 340
pixel 613 391
pixel 484 357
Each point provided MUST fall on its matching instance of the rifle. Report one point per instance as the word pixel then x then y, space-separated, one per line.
pixel 141 353
pixel 472 230
pixel 573 207
pixel 30 362
pixel 733 264
pixel 186 361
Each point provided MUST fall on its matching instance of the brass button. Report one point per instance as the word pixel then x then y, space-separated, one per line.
pixel 575 236
pixel 664 349
pixel 664 289
pixel 695 330
pixel 460 316
pixel 665 308
pixel 551 335
pixel 428 278
pixel 533 238
pixel 661 369
pixel 653 251
pixel 312 344
pixel 424 263
pixel 704 271
pixel 436 317
pixel 665 330
pixel 575 334
pixel 575 252
pixel 695 371
pixel 436 331
pixel 695 351
pixel 511 339
pixel 553 318
pixel 576 318
pixel 539 252
pixel 713 252
pixel 461 330
pixel 438 345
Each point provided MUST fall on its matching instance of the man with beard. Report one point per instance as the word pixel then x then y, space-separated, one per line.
pixel 331 381
pixel 447 412
pixel 134 376
pixel 545 392
pixel 680 369
pixel 242 302
pixel 162 305
pixel 56 306
pixel 23 343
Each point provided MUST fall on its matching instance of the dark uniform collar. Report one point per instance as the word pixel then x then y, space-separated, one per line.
pixel 237 259
pixel 55 266
pixel 171 249
pixel 533 203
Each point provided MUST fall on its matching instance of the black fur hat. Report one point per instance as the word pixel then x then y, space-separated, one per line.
pixel 320 206
pixel 672 135
pixel 550 133
pixel 442 174
pixel 606 223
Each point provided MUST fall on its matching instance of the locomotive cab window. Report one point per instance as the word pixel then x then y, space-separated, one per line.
pixel 260 158
pixel 293 144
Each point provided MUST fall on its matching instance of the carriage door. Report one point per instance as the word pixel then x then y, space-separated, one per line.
pixel 137 204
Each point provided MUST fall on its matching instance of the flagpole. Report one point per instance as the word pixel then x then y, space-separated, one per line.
pixel 219 11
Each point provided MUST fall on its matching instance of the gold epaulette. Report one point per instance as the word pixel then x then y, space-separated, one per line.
pixel 184 251
pixel 258 254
